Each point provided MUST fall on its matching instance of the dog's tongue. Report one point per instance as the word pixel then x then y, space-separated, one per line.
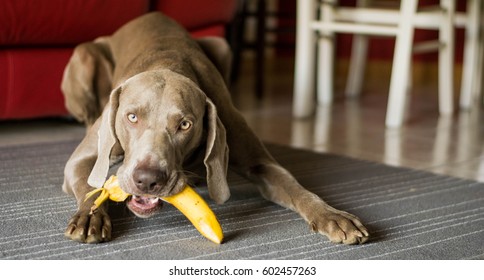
pixel 144 202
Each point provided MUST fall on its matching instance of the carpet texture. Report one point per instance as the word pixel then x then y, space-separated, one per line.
pixel 410 214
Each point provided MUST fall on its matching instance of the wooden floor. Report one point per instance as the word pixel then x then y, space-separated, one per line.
pixel 355 127
pixel 450 145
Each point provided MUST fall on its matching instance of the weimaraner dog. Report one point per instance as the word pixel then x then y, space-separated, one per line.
pixel 155 103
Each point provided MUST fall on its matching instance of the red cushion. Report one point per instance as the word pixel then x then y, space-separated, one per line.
pixel 27 79
pixel 215 30
pixel 195 14
pixel 63 22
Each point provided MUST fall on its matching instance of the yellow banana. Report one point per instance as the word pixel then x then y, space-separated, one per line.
pixel 197 211
pixel 190 203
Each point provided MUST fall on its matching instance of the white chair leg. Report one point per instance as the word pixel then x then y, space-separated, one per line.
pixel 470 66
pixel 325 70
pixel 479 70
pixel 480 58
pixel 446 59
pixel 480 66
pixel 303 105
pixel 356 70
pixel 409 85
pixel 401 64
pixel 325 63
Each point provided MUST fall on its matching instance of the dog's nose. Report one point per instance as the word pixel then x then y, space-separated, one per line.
pixel 149 180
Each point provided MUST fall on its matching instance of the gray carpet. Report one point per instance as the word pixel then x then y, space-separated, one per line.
pixel 411 214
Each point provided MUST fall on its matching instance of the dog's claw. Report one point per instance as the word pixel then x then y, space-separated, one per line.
pixel 69 230
pixel 97 226
pixel 93 239
pixel 106 234
pixel 77 235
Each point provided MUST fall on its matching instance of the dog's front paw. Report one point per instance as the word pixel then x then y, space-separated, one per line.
pixel 340 227
pixel 87 227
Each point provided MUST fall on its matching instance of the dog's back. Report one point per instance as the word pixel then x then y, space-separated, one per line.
pixel 150 42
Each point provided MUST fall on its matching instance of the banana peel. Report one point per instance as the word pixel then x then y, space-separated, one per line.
pixel 111 190
pixel 190 203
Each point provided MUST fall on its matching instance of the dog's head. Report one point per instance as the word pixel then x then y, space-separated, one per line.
pixel 160 118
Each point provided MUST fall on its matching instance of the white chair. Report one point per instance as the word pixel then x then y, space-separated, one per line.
pixel 471 83
pixel 363 21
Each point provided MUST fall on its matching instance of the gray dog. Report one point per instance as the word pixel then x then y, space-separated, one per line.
pixel 155 100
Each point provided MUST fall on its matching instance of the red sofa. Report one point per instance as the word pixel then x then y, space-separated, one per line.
pixel 37 39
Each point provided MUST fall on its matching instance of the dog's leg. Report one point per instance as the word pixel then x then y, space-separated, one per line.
pixel 250 158
pixel 84 226
pixel 278 185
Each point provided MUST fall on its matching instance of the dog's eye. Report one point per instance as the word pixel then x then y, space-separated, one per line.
pixel 185 125
pixel 132 118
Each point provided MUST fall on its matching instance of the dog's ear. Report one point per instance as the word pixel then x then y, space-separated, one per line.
pixel 216 157
pixel 106 140
pixel 218 51
pixel 86 82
